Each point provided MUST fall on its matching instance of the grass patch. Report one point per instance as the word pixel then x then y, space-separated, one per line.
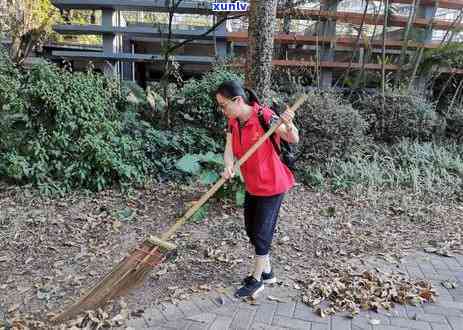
pixel 424 167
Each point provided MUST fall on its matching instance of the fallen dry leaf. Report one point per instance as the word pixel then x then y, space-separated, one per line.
pixel 281 300
pixel 251 301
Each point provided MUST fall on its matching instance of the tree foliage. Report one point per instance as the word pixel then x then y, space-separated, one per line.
pixel 28 22
pixel 447 56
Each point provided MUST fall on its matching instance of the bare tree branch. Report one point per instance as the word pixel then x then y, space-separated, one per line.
pixel 368 52
pixel 403 51
pixel 297 3
pixel 451 29
pixel 356 46
pixel 170 49
pixel 420 52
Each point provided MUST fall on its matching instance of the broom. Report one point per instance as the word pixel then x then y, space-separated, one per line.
pixel 133 269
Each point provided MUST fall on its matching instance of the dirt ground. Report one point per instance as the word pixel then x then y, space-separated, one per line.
pixel 53 249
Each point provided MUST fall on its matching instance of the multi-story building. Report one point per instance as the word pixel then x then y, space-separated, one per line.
pixel 3 13
pixel 3 6
pixel 135 32
pixel 324 35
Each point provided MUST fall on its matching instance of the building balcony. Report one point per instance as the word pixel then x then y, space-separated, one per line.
pixel 186 7
pixel 138 31
pixel 128 57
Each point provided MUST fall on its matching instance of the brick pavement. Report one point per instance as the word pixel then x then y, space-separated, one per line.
pixel 221 311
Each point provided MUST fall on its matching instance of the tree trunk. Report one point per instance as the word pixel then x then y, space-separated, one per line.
pixel 262 18
pixel 23 45
pixel 164 82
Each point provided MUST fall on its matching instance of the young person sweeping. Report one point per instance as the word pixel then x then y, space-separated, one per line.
pixel 266 178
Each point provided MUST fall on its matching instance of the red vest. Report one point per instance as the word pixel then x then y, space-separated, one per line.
pixel 264 174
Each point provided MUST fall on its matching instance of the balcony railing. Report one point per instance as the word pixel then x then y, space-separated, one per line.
pixel 190 6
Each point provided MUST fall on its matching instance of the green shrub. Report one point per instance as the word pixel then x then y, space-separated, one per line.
pixel 11 102
pixel 65 130
pixel 199 105
pixel 10 85
pixel 163 148
pixel 285 82
pixel 134 93
pixel 328 128
pixel 312 176
pixel 148 103
pixel 206 166
pixel 403 116
pixel 206 169
pixel 454 127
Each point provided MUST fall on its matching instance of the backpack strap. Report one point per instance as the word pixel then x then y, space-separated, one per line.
pixel 266 127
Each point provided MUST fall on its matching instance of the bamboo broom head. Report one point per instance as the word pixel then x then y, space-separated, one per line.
pixel 128 274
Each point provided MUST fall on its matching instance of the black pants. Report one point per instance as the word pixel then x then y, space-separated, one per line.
pixel 260 219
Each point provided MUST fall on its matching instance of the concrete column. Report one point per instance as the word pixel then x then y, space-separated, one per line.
pixel 109 40
pixel 109 20
pixel 127 67
pixel 222 46
pixel 327 52
pixel 231 48
pixel 427 12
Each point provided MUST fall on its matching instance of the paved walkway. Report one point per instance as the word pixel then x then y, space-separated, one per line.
pixel 221 311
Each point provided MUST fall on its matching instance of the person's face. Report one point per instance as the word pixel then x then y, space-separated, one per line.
pixel 229 107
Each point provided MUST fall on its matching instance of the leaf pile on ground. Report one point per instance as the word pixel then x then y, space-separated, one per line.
pixel 111 316
pixel 350 289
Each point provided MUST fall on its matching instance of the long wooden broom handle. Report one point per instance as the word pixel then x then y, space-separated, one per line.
pixel 222 180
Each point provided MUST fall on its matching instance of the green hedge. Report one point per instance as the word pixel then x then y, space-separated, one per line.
pixel 64 130
pixel 328 128
pixel 402 116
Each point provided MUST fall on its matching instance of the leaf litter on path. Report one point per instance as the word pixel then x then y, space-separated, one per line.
pixel 315 229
